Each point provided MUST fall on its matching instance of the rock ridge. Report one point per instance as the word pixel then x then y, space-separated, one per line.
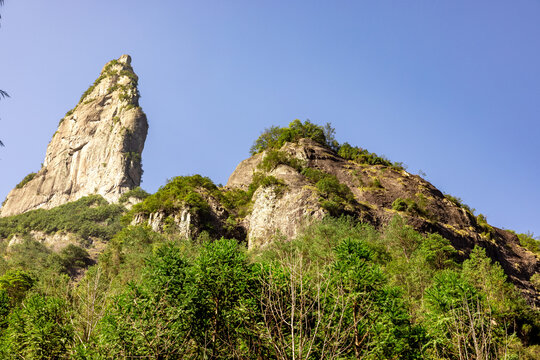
pixel 96 149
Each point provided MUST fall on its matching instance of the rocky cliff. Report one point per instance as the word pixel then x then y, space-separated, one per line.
pixel 96 149
pixel 379 193
pixel 284 190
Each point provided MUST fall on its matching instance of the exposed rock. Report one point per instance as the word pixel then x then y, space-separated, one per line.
pixel 276 214
pixel 54 242
pixel 190 223
pixel 243 174
pixel 375 188
pixel 131 201
pixel 96 149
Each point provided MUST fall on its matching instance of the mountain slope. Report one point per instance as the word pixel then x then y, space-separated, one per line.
pixel 277 192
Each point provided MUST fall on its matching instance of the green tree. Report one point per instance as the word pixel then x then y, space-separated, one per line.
pixel 460 323
pixel 16 283
pixel 382 328
pixel 39 329
pixel 223 278
pixel 275 137
pixel 151 319
pixel 509 309
pixel 5 308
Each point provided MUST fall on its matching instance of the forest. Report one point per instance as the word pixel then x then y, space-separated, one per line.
pixel 340 290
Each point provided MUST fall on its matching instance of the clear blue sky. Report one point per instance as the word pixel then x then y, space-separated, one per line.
pixel 451 88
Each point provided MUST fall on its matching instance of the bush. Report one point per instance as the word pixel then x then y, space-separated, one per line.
pixel 90 216
pixel 74 258
pixel 137 193
pixel 408 205
pixel 177 193
pixel 16 284
pixel 529 242
pixel 487 230
pixel 275 137
pixel 261 180
pixel 362 156
pixel 399 204
pixel 26 180
pixel 40 329
pixel 273 158
pixel 458 202
pixel 334 197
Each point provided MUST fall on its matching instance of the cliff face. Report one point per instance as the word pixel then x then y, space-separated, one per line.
pixel 378 194
pixel 96 149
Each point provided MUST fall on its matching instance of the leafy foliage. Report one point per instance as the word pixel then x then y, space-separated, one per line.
pixel 275 137
pixel 15 284
pixel 26 180
pixel 362 156
pixel 529 242
pixel 458 202
pixel 38 330
pixel 334 196
pixel 273 158
pixel 177 193
pixel 90 216
pixel 408 205
pixel 137 193
pixel 339 290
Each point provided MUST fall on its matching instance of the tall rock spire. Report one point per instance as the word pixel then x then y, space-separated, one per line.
pixel 96 149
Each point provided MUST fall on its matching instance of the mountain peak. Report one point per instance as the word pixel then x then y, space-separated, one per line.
pixel 96 149
pixel 125 59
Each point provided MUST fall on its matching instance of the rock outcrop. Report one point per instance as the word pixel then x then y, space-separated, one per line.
pixel 377 191
pixel 96 149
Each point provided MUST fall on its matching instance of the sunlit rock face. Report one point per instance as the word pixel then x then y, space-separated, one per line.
pixel 96 149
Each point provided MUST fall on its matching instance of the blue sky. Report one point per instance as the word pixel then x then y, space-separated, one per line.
pixel 449 88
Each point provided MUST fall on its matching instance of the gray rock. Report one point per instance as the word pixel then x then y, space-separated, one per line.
pixel 96 149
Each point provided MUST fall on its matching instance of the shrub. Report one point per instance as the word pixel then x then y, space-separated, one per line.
pixel 89 216
pixel 262 180
pixel 375 183
pixel 334 197
pixel 137 193
pixel 133 156
pixel 26 180
pixel 314 175
pixel 73 258
pixel 177 193
pixel 273 158
pixel 40 329
pixel 362 156
pixel 275 137
pixel 182 192
pixel 399 204
pixel 458 202
pixel 408 205
pixel 487 230
pixel 16 284
pixel 529 242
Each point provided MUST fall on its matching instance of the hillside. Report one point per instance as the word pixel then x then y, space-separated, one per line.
pixel 282 188
pixel 313 249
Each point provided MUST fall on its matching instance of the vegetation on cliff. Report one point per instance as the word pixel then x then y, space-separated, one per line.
pixel 340 289
pixel 275 137
pixel 86 217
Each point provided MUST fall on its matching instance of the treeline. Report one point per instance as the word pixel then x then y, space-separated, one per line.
pixel 340 290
